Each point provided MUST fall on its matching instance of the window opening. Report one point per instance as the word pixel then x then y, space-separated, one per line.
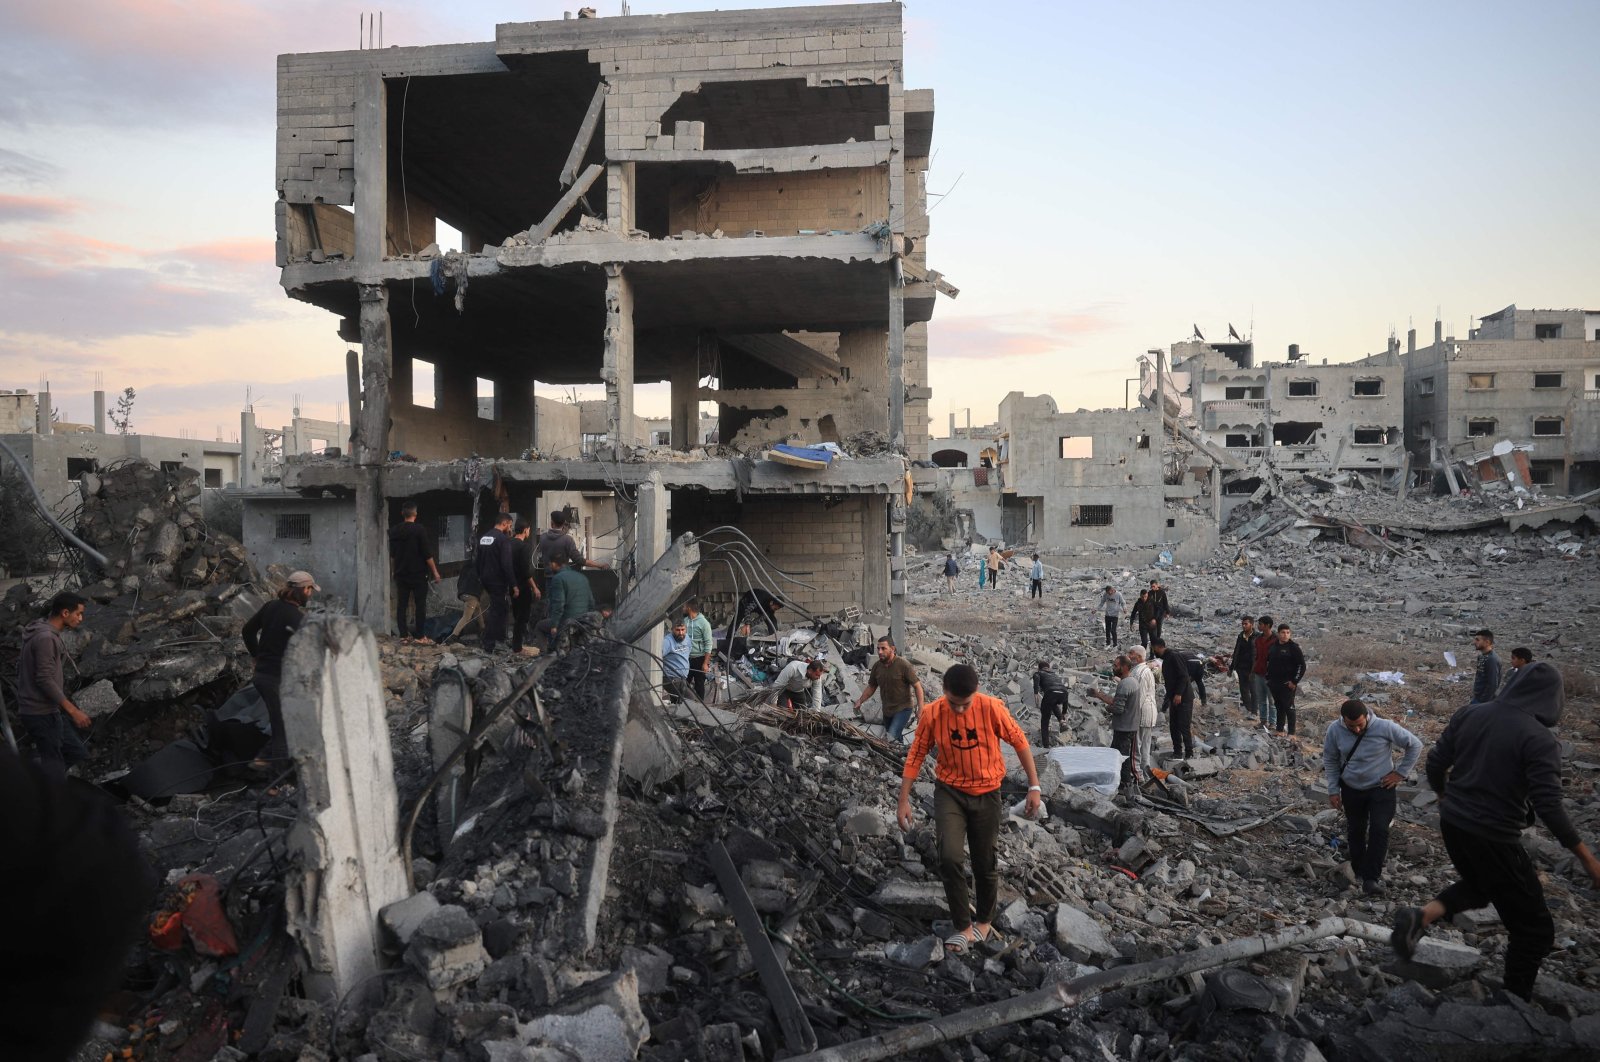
pixel 1547 379
pixel 1302 388
pixel 293 526
pixel 1480 427
pixel 423 394
pixel 1091 515
pixel 1547 425
pixel 1367 388
pixel 1077 447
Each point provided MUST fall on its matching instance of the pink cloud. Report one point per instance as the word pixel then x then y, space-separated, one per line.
pixel 34 208
pixel 1019 336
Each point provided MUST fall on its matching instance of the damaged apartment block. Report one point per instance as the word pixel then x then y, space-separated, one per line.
pixel 732 203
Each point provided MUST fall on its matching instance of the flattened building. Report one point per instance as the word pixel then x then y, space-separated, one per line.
pixel 730 202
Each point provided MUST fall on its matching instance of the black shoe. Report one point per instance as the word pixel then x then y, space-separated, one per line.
pixel 1407 931
pixel 1372 887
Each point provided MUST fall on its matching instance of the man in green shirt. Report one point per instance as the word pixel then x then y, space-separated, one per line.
pixel 896 679
pixel 569 596
pixel 700 641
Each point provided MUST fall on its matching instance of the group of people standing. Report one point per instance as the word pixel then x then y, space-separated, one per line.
pixel 1269 665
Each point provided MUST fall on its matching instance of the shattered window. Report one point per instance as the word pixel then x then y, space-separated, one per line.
pixel 1547 331
pixel 1425 386
pixel 214 477
pixel 1543 473
pixel 1302 388
pixel 1547 425
pixel 1370 437
pixel 1091 515
pixel 1480 427
pixel 1480 381
pixel 1367 388
pixel 1547 379
pixel 293 526
pixel 77 466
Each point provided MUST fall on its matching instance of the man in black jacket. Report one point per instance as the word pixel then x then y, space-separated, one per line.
pixel 1179 698
pixel 1052 696
pixel 1495 761
pixel 498 572
pixel 527 588
pixel 1159 606
pixel 1243 661
pixel 411 556
pixel 1286 666
pixel 266 635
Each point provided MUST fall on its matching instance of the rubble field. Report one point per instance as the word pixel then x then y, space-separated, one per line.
pixel 759 900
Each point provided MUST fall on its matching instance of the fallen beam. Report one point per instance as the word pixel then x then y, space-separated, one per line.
pixel 656 591
pixel 580 143
pixel 541 232
pixel 792 1020
pixel 951 1027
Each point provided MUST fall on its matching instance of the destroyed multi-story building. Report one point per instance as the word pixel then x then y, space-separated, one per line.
pixel 731 202
pixel 1524 379
pixel 1267 418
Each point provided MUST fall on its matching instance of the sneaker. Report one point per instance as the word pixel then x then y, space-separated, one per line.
pixel 1407 931
pixel 1372 887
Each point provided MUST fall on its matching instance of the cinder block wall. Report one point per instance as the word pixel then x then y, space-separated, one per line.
pixel 782 204
pixel 817 544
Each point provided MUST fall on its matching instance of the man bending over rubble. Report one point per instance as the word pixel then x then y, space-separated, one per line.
pixel 1494 762
pixel 967 727
pixel 799 685
pixel 266 636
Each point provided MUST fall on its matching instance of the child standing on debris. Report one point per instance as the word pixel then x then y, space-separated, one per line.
pixel 266 636
pixel 700 639
pixel 951 570
pixel 1111 604
pixel 967 727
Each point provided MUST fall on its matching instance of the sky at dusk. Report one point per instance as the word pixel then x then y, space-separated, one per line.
pixel 1115 173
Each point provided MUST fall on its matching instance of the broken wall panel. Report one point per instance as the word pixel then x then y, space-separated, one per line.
pixel 779 204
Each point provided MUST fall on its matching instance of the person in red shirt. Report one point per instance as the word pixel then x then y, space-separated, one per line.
pixel 967 727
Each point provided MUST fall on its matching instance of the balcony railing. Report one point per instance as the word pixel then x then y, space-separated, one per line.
pixel 1591 396
pixel 1237 403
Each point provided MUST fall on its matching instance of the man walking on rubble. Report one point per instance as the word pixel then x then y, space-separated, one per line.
pixel 700 644
pixel 527 585
pixel 1286 666
pixel 499 576
pixel 1258 671
pixel 799 685
pixel 1242 664
pixel 1148 715
pixel 893 676
pixel 1159 607
pixel 1142 618
pixel 1051 694
pixel 1358 762
pixel 1179 697
pixel 266 636
pixel 1494 763
pixel 1124 705
pixel 996 562
pixel 1111 605
pixel 675 649
pixel 967 727
pixel 1486 674
pixel 411 557
pixel 951 570
pixel 42 701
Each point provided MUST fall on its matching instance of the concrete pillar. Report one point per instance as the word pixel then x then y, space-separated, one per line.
pixel 249 451
pixel 685 378
pixel 1438 332
pixel 617 368
pixel 345 842
pixel 41 414
pixel 1411 341
pixel 371 454
pixel 100 412
pixel 650 503
pixel 372 174
pixel 1216 494
pixel 620 196
pixel 875 553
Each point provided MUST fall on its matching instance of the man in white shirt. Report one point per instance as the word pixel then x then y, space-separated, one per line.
pixel 799 685
pixel 1147 705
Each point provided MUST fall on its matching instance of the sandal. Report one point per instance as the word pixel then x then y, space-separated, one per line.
pixel 986 936
pixel 958 942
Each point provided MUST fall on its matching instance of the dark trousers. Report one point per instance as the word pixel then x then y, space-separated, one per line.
pixel 1283 704
pixel 1247 692
pixel 968 822
pixel 521 613
pixel 1111 630
pixel 675 687
pixel 1145 633
pixel 1127 743
pixel 1199 684
pixel 1048 703
pixel 1179 720
pixel 1368 813
pixel 56 744
pixel 495 624
pixel 1035 588
pixel 1502 873
pixel 1156 629
pixel 405 592
pixel 697 673
pixel 994 578
pixel 277 746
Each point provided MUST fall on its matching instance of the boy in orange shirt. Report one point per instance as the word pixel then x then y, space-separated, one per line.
pixel 967 727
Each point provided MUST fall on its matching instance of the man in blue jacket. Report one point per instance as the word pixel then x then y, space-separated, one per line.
pixel 1493 763
pixel 1358 760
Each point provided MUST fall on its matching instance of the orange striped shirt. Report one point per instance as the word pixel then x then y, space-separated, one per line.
pixel 968 743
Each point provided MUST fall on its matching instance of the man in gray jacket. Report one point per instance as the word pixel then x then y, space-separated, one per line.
pixel 1124 704
pixel 42 699
pixel 1358 759
pixel 1112 605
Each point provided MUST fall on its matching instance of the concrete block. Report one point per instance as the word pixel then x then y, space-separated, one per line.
pixel 1438 963
pixel 401 919
pixel 913 899
pixel 1079 936
pixel 447 948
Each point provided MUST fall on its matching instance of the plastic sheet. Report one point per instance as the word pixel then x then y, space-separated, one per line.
pixel 1089 767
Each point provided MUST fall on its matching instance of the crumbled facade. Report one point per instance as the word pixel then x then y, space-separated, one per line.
pixel 1523 376
pixel 730 202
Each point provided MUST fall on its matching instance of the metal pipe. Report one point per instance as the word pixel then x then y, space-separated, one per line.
pixel 49 517
pixel 898 1042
